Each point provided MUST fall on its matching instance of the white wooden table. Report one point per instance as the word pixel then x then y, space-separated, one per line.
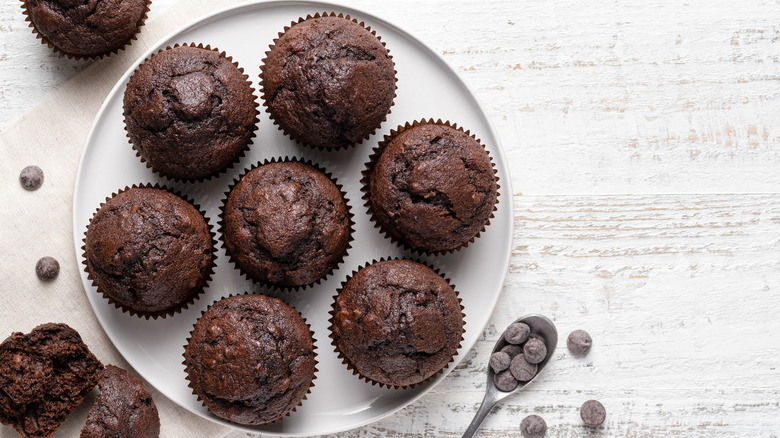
pixel 644 144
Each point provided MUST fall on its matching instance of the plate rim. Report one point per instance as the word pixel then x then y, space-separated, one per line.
pixel 500 159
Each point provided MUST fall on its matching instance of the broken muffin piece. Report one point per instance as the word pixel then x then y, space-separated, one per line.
pixel 124 408
pixel 44 376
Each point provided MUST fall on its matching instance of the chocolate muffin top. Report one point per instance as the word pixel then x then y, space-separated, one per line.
pixel 44 376
pixel 87 28
pixel 286 223
pixel 397 322
pixel 328 82
pixel 149 250
pixel 189 112
pixel 124 408
pixel 432 188
pixel 250 359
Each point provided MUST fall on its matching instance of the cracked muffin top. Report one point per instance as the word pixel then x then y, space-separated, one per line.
pixel 148 250
pixel 328 82
pixel 87 28
pixel 189 112
pixel 432 188
pixel 250 359
pixel 397 322
pixel 286 223
pixel 124 408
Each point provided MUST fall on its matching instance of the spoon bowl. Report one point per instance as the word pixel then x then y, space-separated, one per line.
pixel 540 326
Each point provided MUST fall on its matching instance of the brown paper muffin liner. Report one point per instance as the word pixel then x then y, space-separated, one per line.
pixel 265 96
pixel 243 151
pixel 286 159
pixel 185 304
pixel 62 54
pixel 203 402
pixel 377 152
pixel 345 360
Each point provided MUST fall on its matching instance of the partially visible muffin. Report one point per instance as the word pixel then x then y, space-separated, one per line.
pixel 397 322
pixel 328 81
pixel 250 359
pixel 189 112
pixel 87 29
pixel 286 223
pixel 44 376
pixel 124 408
pixel 149 251
pixel 432 187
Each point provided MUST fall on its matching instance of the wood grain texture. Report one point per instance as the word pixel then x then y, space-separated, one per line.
pixel 606 96
pixel 644 144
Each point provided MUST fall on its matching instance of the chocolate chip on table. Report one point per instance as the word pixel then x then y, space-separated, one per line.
pixel 521 369
pixel 579 342
pixel 47 268
pixel 31 177
pixel 534 350
pixel 593 413
pixel 533 426
pixel 504 381
pixel 499 361
pixel 517 333
pixel 512 350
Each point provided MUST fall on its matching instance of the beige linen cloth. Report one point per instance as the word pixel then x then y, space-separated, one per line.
pixel 39 223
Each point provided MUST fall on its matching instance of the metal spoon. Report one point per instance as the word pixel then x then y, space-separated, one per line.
pixel 540 326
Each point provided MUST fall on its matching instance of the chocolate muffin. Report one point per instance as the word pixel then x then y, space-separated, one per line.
pixel 86 29
pixel 148 251
pixel 189 112
pixel 44 376
pixel 328 81
pixel 250 359
pixel 397 322
pixel 286 223
pixel 431 186
pixel 124 408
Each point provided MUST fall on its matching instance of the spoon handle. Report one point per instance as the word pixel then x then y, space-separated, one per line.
pixel 487 404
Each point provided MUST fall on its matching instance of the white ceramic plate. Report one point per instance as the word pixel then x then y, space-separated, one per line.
pixel 427 87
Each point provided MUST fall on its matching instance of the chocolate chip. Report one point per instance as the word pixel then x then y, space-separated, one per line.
pixel 517 333
pixel 504 381
pixel 533 426
pixel 47 268
pixel 31 177
pixel 499 361
pixel 593 413
pixel 534 350
pixel 521 369
pixel 579 342
pixel 512 350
